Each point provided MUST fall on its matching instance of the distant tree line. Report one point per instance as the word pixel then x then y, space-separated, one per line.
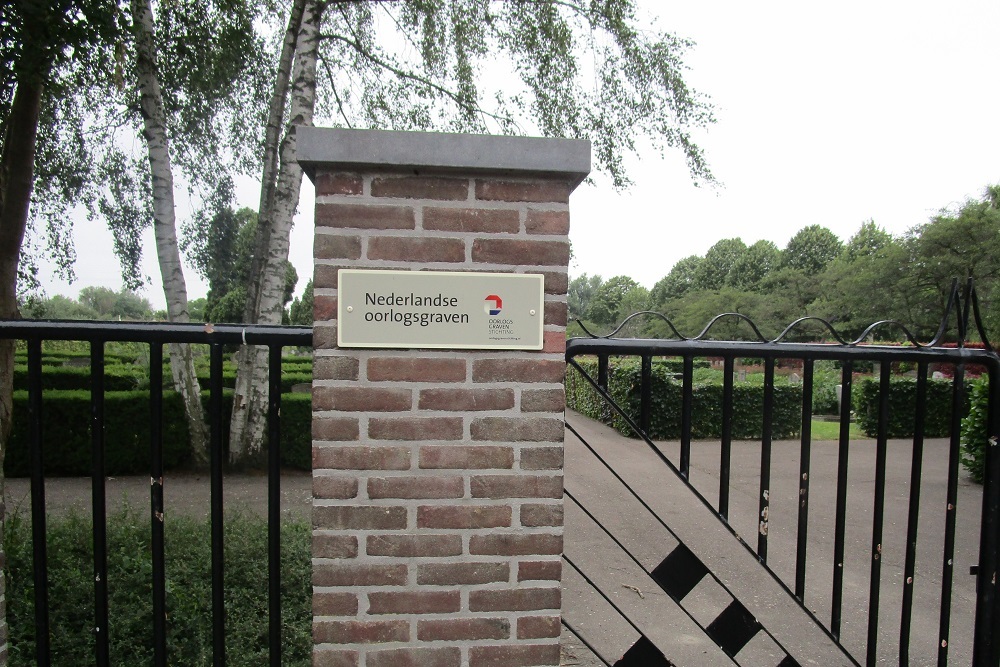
pixel 873 276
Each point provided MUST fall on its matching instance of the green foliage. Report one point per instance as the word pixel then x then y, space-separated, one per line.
pixel 975 432
pixel 66 439
pixel 94 303
pixel 606 303
pixel 903 407
pixel 682 277
pixel 581 292
pixel 811 249
pixel 665 423
pixel 301 311
pixel 189 611
pixel 714 271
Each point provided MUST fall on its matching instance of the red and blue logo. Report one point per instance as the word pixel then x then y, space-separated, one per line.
pixel 493 304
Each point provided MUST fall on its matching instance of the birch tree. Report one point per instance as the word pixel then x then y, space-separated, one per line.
pixel 583 70
pixel 164 223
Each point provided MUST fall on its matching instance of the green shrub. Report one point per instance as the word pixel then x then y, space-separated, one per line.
pixel 974 430
pixel 66 440
pixel 903 407
pixel 188 585
pixel 117 377
pixel 665 420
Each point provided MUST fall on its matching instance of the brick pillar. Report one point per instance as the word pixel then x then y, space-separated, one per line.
pixel 437 474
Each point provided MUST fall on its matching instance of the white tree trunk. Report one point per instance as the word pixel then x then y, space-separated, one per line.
pixel 250 396
pixel 167 253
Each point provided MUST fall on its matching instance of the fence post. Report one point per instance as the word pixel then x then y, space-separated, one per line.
pixel 437 474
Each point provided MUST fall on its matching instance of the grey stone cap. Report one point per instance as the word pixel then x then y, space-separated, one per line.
pixel 338 148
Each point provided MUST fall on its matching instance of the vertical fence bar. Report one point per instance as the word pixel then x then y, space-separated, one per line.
pixel 40 561
pixel 99 504
pixel 215 464
pixel 840 523
pixel 156 504
pixel 948 567
pixel 602 382
pixel 686 408
pixel 727 437
pixel 805 452
pixel 646 394
pixel 274 504
pixel 764 497
pixel 916 469
pixel 985 648
pixel 878 511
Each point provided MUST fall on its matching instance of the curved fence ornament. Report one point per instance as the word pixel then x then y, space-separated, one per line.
pixel 963 308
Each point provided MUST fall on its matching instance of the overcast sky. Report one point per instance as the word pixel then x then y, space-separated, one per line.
pixel 828 113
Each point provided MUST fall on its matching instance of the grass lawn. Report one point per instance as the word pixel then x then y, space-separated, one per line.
pixel 824 430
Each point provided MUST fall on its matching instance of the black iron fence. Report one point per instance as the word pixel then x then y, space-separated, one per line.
pixel 800 580
pixel 155 335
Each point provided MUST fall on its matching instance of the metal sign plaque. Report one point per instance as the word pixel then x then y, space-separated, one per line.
pixel 440 309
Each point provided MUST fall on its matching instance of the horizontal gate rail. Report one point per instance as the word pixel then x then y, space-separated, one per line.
pixel 849 354
pixel 155 335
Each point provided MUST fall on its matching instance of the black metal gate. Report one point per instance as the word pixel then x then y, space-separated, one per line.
pixel 905 585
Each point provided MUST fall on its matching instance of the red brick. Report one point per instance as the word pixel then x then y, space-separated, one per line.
pixel 465 457
pixel 515 544
pixel 324 308
pixel 490 221
pixel 517 599
pixel 554 342
pixel 354 517
pixel 416 487
pixel 538 627
pixel 361 399
pixel 516 486
pixel 542 570
pixel 517 429
pixel 519 252
pixel 421 187
pixel 543 400
pixel 339 457
pixel 325 275
pixel 418 250
pixel 542 458
pixel 360 632
pixel 556 313
pixel 337 429
pixel 359 574
pixel 335 246
pixel 338 184
pixel 531 191
pixel 514 655
pixel 334 487
pixel 326 658
pixel 335 604
pixel 463 629
pixel 409 369
pixel 335 546
pixel 556 282
pixel 466 400
pixel 414 602
pixel 416 428
pixel 360 216
pixel 533 515
pixel 324 337
pixel 414 546
pixel 463 516
pixel 450 656
pixel 517 370
pixel 547 222
pixel 461 574
pixel 335 368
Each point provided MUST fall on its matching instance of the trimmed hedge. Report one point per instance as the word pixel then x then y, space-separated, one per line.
pixel 974 430
pixel 665 422
pixel 122 377
pixel 903 407
pixel 66 437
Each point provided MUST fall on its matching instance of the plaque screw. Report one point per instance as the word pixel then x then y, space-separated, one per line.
pixel 350 309
pixel 532 311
